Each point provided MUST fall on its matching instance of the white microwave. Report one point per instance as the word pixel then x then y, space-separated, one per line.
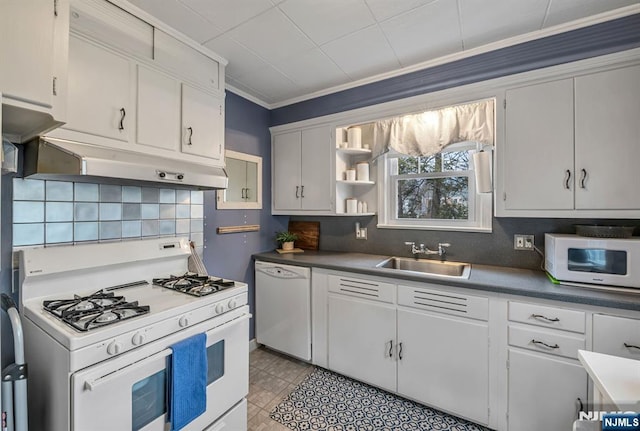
pixel 601 261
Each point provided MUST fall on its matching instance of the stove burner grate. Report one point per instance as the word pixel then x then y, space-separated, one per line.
pixel 193 284
pixel 84 313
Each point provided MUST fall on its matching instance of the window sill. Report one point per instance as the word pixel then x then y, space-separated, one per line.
pixel 441 228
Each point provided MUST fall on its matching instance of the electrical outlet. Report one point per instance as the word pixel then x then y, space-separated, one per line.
pixel 523 242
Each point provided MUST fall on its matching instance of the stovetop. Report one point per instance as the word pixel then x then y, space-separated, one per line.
pixel 194 284
pixel 99 309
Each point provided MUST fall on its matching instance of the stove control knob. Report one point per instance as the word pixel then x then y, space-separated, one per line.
pixel 219 308
pixel 114 348
pixel 232 304
pixel 183 322
pixel 137 339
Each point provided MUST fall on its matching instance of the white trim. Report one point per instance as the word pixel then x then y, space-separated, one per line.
pixel 253 345
pixel 459 94
pixel 247 96
pixel 222 204
pixel 538 34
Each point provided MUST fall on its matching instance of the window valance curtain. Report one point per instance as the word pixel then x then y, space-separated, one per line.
pixel 429 132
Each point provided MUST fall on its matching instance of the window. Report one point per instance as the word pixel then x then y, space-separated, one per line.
pixel 433 192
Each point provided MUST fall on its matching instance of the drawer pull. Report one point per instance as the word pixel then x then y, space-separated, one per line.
pixel 542 343
pixel 631 346
pixel 540 316
pixel 391 349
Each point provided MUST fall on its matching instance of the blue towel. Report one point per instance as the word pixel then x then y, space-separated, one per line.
pixel 188 385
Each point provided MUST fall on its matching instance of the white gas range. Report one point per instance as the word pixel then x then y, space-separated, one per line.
pixel 99 327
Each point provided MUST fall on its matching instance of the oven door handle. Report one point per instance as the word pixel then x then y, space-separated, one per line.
pixel 90 385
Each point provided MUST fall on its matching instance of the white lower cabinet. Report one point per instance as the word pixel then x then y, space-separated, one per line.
pixel 618 336
pixel 543 391
pixel 444 362
pixel 362 338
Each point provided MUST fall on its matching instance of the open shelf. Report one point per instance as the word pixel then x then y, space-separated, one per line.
pixel 354 151
pixel 355 183
pixel 356 214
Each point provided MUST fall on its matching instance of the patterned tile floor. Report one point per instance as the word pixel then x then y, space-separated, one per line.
pixel 272 377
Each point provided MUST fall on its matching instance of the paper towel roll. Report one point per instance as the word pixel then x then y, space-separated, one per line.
pixel 482 167
pixel 354 137
pixel 352 205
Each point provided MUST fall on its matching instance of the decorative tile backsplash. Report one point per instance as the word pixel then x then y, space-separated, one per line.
pixel 62 212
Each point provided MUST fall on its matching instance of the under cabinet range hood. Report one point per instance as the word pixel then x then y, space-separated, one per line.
pixel 56 159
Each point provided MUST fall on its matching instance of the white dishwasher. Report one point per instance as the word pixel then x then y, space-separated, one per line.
pixel 283 308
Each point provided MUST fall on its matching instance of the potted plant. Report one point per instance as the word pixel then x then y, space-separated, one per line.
pixel 286 238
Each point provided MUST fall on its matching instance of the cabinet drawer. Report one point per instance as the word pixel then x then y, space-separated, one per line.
pixel 551 342
pixel 363 288
pixel 443 301
pixel 549 317
pixel 619 336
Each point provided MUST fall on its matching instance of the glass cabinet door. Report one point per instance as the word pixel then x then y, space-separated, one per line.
pixel 245 182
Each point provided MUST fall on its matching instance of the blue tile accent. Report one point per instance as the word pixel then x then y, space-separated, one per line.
pixel 197 197
pixel 183 211
pixel 28 212
pixel 58 232
pixel 131 212
pixel 167 227
pixel 150 228
pixel 150 211
pixel 59 191
pixel 183 226
pixel 28 234
pixel 150 196
pixel 131 194
pixel 28 190
pixel 167 211
pixel 85 231
pixel 167 196
pixel 85 192
pixel 59 211
pixel 197 211
pixel 110 211
pixel 197 225
pixel 183 196
pixel 110 193
pixel 86 211
pixel 110 229
pixel 131 229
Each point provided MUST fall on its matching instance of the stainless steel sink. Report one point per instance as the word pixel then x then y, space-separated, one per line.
pixel 427 267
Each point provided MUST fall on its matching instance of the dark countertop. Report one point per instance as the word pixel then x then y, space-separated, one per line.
pixel 498 279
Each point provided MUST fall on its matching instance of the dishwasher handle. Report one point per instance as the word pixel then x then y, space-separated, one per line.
pixel 283 273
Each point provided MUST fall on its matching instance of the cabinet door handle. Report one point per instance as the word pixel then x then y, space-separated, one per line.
pixel 301 191
pixel 123 114
pixel 297 187
pixel 542 343
pixel 246 193
pixel 567 179
pixel 631 346
pixel 391 348
pixel 190 129
pixel 540 316
pixel 242 193
pixel 400 351
pixel 583 177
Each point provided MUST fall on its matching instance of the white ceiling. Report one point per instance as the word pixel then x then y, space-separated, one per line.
pixel 282 51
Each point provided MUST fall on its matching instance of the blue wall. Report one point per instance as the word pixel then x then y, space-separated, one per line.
pixel 229 255
pixel 604 38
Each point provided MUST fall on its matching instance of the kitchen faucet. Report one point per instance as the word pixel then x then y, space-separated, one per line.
pixel 442 246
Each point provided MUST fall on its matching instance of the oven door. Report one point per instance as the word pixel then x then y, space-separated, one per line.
pixel 130 391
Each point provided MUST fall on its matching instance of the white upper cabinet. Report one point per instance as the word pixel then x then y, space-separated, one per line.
pixel 134 87
pixel 186 61
pixel 202 124
pixel 158 113
pixel 571 147
pixel 539 145
pixel 608 140
pixel 302 171
pixel 33 93
pixel 99 92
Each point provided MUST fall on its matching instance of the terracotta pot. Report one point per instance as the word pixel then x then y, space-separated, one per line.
pixel 287 245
